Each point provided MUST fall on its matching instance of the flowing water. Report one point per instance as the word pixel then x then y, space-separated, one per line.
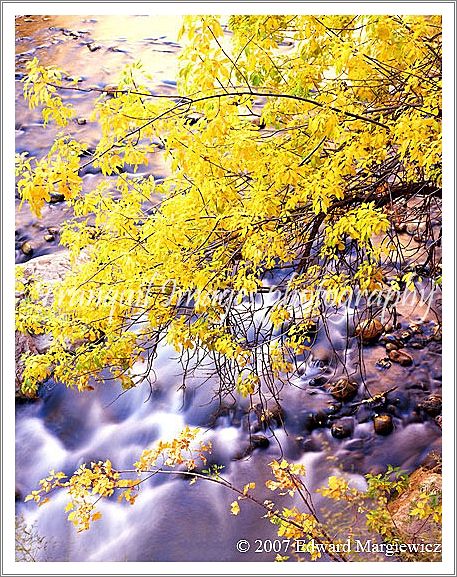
pixel 173 520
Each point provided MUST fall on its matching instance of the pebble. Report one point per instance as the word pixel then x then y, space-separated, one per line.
pixel 49 237
pixel 317 381
pixel 81 121
pixel 401 358
pixel 391 339
pixel 27 248
pixel 383 363
pixel 369 330
pixel 344 390
pixel 342 428
pixel 383 424
pixel 391 347
pixel 93 47
pixel 53 230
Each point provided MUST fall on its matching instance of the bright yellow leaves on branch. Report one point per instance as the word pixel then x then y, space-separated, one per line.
pixel 289 142
pixel 90 483
pixel 41 89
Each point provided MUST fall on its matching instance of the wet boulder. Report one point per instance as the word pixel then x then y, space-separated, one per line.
pixel 343 389
pixel 401 358
pixel 315 420
pixel 369 330
pixel 255 442
pixel 432 405
pixel 383 424
pixel 56 197
pixel 342 428
pixel 268 416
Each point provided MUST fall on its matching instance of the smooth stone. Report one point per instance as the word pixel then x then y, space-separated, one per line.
pixel 259 442
pixel 269 416
pixel 317 381
pixel 393 339
pixel 369 330
pixel 383 363
pixel 27 248
pixel 391 347
pixel 383 424
pixel 56 197
pixel 342 428
pixel 315 420
pixel 310 444
pixel 49 237
pixel 401 358
pixel 53 230
pixel 81 121
pixel 344 390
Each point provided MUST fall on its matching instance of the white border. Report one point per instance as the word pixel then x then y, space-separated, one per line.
pixel 10 9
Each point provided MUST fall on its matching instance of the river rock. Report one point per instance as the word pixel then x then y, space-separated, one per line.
pixel 27 248
pixel 383 424
pixel 269 416
pixel 383 364
pixel 390 338
pixel 259 442
pixel 54 230
pixel 317 381
pixel 49 238
pixel 56 197
pixel 310 444
pixel 315 420
pixel 401 358
pixel 431 405
pixel 391 347
pixel 344 390
pixel 93 47
pixel 342 428
pixel 369 330
pixel 255 442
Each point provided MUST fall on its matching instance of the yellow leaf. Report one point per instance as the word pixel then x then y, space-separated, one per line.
pixel 96 516
pixel 235 508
